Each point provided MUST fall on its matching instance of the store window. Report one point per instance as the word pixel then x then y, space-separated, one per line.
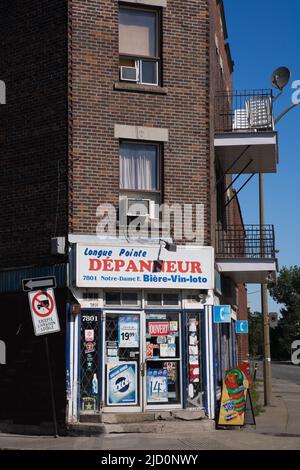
pixel 90 376
pixel 163 359
pixel 157 299
pixel 194 358
pixel 124 298
pixel 139 46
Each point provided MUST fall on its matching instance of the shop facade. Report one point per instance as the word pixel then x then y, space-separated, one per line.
pixel 143 339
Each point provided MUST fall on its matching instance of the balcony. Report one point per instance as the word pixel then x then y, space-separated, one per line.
pixel 245 137
pixel 247 254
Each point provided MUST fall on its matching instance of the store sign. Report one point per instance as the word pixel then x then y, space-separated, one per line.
pixel 191 267
pixel 122 383
pixel 159 328
pixel 128 331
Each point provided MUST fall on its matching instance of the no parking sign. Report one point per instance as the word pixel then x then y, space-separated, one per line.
pixel 43 312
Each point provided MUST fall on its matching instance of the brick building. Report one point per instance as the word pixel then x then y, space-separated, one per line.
pixel 127 103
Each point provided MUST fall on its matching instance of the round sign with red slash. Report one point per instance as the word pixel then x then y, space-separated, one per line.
pixel 42 304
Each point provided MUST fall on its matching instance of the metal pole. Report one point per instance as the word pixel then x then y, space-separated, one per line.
pixel 264 305
pixel 51 387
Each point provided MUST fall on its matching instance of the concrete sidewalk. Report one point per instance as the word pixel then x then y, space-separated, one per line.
pixel 277 428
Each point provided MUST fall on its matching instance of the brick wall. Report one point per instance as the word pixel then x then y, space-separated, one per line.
pixel 33 189
pixel 53 182
pixel 96 107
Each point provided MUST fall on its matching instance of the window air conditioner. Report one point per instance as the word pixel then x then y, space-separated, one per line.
pixel 140 208
pixel 129 74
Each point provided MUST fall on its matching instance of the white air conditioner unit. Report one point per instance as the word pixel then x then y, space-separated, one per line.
pixel 240 120
pixel 140 208
pixel 129 74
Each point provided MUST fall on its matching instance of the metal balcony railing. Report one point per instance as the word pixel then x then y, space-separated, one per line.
pixel 250 241
pixel 244 111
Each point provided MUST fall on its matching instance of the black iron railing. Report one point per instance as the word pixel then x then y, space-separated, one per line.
pixel 244 111
pixel 250 241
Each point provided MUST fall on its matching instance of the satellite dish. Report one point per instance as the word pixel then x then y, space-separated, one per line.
pixel 280 78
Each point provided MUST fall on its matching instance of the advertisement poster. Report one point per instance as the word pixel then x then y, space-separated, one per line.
pixel 157 385
pixel 168 350
pixel 128 331
pixel 172 372
pixel 122 384
pixel 234 398
pixel 89 335
pixel 194 373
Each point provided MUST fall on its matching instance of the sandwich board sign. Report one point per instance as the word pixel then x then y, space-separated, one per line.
pixel 43 312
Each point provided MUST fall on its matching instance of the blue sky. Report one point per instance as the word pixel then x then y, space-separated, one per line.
pixel 263 35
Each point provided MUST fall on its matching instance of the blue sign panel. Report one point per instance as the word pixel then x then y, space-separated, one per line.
pixel 122 383
pixel 222 314
pixel 241 326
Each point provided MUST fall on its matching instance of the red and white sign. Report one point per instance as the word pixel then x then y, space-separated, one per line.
pixel 190 267
pixel 89 335
pixel 43 312
pixel 159 328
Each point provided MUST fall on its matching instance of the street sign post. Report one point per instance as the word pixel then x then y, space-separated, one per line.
pixel 222 314
pixel 36 283
pixel 241 327
pixel 45 321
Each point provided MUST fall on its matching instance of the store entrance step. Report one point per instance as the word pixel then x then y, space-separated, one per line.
pixel 149 427
pixel 148 422
pixel 123 418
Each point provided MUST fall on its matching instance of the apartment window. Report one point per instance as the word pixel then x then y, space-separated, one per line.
pixel 139 45
pixel 139 167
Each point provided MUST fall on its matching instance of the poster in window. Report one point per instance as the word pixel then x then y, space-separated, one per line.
pixel 168 350
pixel 172 372
pixel 194 373
pixel 157 385
pixel 128 331
pixel 122 383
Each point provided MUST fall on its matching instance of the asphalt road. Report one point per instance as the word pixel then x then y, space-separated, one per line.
pixel 283 371
pixel 286 372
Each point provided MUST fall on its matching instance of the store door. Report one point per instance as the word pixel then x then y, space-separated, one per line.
pixel 142 353
pixel 122 354
pixel 163 362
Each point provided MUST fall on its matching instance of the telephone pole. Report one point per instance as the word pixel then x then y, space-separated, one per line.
pixel 264 305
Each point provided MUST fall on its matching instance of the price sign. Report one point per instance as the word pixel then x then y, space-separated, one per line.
pixel 157 385
pixel 128 331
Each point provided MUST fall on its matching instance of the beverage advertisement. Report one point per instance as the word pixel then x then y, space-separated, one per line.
pixel 157 385
pixel 122 384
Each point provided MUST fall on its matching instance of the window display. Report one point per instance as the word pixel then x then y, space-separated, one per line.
pixel 163 358
pixel 194 360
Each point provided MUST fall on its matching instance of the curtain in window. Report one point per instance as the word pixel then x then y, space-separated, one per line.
pixel 138 166
pixel 137 32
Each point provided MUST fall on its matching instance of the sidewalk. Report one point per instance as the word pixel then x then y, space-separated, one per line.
pixel 278 428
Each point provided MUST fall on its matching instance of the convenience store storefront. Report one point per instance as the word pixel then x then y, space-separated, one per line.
pixel 144 337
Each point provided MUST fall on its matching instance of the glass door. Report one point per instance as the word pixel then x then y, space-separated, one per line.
pixel 122 353
pixel 162 352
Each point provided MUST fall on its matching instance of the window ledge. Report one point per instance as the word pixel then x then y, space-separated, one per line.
pixel 138 88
